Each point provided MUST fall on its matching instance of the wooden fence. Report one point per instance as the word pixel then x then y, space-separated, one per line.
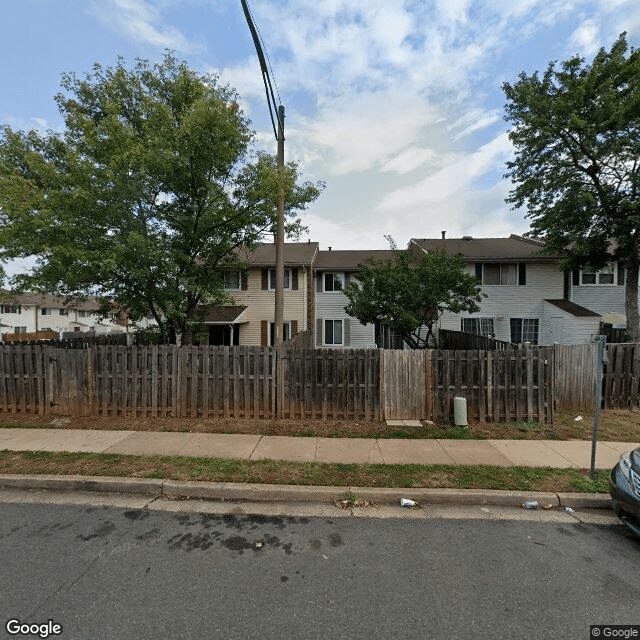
pixel 499 386
pixel 504 385
pixel 30 337
pixel 621 380
pixel 405 383
pixel 575 376
pixel 196 382
pixel 452 340
pixel 329 383
pixel 257 382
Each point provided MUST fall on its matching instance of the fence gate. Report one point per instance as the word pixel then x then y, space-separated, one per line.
pixel 65 381
pixel 404 389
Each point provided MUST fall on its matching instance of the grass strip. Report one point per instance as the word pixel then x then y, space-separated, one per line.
pixel 304 473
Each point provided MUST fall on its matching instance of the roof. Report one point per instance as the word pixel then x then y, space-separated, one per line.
pixel 223 314
pixel 295 254
pixel 31 299
pixel 350 260
pixel 573 308
pixel 514 248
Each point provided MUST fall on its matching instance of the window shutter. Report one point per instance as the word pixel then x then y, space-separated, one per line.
pixel 479 271
pixel 294 278
pixel 576 278
pixel 522 273
pixel 244 281
pixel 346 332
pixel 294 328
pixel 264 333
pixel 620 275
pixel 318 331
pixel 265 279
pixel 319 282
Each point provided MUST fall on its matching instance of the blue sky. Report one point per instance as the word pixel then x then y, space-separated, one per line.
pixel 395 104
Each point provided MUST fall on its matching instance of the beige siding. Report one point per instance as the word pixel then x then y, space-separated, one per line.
pixel 260 305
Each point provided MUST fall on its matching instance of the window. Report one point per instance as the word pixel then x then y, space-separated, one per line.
pixel 524 330
pixel 46 311
pixel 500 274
pixel 480 326
pixel 272 279
pixel 19 329
pixel 10 308
pixel 333 331
pixel 606 275
pixel 45 329
pixel 232 280
pixel 333 281
pixel 63 312
pixel 286 332
pixel 82 314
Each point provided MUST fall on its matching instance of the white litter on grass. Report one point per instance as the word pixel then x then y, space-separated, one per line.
pixel 484 509
pixel 568 509
pixel 577 419
pixel 405 502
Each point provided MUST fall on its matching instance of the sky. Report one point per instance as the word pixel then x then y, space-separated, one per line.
pixel 396 105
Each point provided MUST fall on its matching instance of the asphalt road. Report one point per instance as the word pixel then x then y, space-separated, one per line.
pixel 118 573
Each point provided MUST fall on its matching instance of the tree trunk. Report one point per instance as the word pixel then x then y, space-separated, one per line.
pixel 631 302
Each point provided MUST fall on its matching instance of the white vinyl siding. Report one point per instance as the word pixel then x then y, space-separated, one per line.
pixel 524 301
pixel 331 304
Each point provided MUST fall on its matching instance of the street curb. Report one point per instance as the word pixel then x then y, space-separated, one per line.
pixel 457 496
pixel 81 483
pixel 585 500
pixel 297 493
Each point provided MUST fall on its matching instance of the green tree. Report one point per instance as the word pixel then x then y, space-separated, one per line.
pixel 409 293
pixel 144 196
pixel 576 133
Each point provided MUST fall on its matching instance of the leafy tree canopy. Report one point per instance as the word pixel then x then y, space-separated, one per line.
pixel 410 291
pixel 144 195
pixel 576 133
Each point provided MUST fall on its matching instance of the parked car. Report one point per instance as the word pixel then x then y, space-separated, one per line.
pixel 625 489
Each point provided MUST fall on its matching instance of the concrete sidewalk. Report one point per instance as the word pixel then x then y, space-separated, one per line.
pixel 500 453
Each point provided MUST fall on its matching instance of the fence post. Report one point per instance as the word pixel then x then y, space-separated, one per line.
pixel 90 402
pixel 600 360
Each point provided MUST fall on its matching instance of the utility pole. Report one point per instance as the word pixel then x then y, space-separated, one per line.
pixel 279 294
pixel 278 319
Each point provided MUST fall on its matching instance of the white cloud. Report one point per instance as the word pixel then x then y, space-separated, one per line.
pixel 457 176
pixel 142 21
pixel 474 120
pixel 410 159
pixel 586 37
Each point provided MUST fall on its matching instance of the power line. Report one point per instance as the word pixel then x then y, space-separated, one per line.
pixel 268 87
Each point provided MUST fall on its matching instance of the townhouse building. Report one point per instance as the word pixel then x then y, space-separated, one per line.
pixel 528 298
pixel 333 327
pixel 249 320
pixel 33 312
